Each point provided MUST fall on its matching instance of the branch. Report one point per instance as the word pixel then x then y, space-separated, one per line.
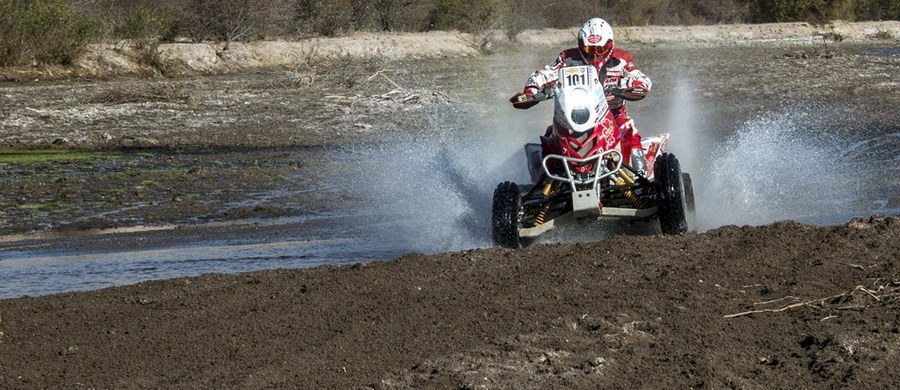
pixel 857 266
pixel 806 303
pixel 381 73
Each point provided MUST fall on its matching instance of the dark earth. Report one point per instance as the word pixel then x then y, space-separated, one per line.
pixel 784 305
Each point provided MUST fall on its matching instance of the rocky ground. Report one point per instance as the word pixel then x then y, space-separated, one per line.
pixel 784 305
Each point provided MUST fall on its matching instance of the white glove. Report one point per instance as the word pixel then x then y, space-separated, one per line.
pixel 635 79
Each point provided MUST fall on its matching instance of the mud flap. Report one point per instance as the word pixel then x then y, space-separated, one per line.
pixel 534 154
pixel 585 204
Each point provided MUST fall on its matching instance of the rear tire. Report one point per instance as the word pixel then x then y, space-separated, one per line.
pixel 506 215
pixel 670 199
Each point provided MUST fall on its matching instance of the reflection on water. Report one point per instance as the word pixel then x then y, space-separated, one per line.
pixel 884 52
pixel 39 274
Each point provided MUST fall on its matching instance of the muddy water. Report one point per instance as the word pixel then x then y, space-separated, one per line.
pixel 823 186
pixel 425 184
pixel 96 260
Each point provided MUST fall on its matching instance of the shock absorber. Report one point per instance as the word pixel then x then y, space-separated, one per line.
pixel 548 191
pixel 621 184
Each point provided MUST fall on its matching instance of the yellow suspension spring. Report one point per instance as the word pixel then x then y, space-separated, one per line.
pixel 629 194
pixel 542 213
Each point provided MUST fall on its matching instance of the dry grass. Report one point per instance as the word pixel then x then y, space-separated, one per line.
pixel 168 93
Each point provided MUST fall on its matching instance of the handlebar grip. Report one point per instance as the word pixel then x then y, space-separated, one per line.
pixel 523 101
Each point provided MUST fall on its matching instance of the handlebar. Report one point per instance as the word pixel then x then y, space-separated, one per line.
pixel 522 101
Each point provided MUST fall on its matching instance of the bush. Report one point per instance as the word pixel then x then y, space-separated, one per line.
pixel 146 24
pixel 712 11
pixel 57 31
pixel 42 32
pixel 404 15
pixel 151 20
pixel 474 16
pixel 235 20
pixel 326 17
pixel 787 11
pixel 820 11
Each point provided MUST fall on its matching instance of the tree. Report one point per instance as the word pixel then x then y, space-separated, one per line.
pixel 236 20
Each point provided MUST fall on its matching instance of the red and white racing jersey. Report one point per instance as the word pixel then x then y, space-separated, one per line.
pixel 621 78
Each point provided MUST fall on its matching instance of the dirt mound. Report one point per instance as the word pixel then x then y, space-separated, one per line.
pixel 778 306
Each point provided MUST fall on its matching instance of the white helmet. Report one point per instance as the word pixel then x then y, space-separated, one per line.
pixel 595 39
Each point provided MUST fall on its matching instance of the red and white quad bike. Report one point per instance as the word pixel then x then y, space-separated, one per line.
pixel 578 170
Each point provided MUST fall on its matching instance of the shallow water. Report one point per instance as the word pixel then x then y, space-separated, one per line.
pixel 804 161
pixel 31 273
pixel 440 202
pixel 884 52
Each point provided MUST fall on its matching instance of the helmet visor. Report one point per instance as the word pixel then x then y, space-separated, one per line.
pixel 599 51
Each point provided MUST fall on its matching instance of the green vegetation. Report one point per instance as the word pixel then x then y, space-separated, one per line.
pixel 42 32
pixel 31 156
pixel 51 32
pixel 149 183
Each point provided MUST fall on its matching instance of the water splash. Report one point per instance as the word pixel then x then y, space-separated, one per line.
pixel 683 118
pixel 433 193
pixel 791 165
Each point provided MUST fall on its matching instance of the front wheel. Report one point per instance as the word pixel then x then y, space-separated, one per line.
pixel 506 215
pixel 670 200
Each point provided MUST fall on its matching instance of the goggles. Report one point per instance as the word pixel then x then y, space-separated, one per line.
pixel 598 50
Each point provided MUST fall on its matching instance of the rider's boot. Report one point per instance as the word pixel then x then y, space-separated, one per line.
pixel 638 161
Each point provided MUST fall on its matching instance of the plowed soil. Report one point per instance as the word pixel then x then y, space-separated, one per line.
pixel 784 305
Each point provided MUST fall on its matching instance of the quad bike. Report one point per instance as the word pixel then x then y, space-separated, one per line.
pixel 578 171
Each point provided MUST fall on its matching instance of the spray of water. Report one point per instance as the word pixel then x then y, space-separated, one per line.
pixel 801 162
pixel 682 122
pixel 434 194
pixel 789 165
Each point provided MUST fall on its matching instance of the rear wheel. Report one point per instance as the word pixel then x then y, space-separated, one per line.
pixel 670 199
pixel 506 215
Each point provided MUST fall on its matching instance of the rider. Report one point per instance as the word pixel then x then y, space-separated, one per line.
pixel 621 78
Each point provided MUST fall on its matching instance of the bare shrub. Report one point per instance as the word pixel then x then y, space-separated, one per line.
pixel 236 20
pixel 465 15
pixel 391 15
pixel 325 17
pixel 821 11
pixel 146 23
pixel 567 14
pixel 786 11
pixel 315 72
pixel 717 11
pixel 133 19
